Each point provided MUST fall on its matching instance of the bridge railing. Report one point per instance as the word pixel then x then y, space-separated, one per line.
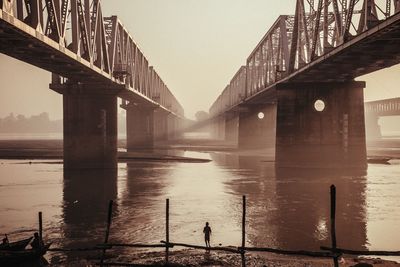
pixel 386 107
pixel 103 42
pixel 294 41
pixel 233 93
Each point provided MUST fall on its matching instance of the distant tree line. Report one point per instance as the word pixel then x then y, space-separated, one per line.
pixel 34 124
pixel 41 124
pixel 201 115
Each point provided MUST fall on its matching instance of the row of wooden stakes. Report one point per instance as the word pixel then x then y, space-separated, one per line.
pixel 333 252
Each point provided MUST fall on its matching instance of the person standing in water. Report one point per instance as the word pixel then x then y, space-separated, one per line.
pixel 207 234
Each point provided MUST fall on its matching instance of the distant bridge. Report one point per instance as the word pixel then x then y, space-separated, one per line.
pixel 380 108
pixel 94 60
pixel 301 78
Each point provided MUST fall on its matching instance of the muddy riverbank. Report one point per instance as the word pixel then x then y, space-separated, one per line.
pixel 192 258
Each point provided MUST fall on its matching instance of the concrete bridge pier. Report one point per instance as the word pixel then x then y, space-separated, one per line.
pixel 172 127
pixel 372 126
pixel 257 127
pixel 320 125
pixel 218 128
pixel 160 125
pixel 139 127
pixel 179 125
pixel 213 129
pixel 232 128
pixel 221 129
pixel 90 127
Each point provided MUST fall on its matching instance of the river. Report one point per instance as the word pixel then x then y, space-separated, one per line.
pixel 286 208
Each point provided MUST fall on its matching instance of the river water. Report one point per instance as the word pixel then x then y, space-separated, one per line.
pixel 286 209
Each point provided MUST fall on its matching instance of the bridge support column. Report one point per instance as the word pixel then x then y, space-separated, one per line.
pixel 174 126
pixel 171 127
pixel 372 126
pixel 90 129
pixel 231 128
pixel 257 127
pixel 214 129
pixel 180 125
pixel 139 127
pixel 331 138
pixel 221 127
pixel 160 125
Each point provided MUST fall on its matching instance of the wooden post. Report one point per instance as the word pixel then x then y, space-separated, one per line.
pixel 333 224
pixel 167 232
pixel 243 232
pixel 109 216
pixel 40 226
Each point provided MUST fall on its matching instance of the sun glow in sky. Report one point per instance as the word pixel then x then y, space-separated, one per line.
pixel 196 46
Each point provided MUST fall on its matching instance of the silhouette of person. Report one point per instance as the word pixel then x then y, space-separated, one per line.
pixel 207 234
pixel 37 243
pixel 5 240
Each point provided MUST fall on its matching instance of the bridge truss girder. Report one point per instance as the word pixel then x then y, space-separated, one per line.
pixel 103 44
pixel 295 41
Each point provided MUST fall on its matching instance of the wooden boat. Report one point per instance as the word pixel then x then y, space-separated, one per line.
pixel 17 245
pixel 14 257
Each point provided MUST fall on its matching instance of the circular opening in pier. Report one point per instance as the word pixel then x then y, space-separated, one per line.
pixel 260 115
pixel 319 105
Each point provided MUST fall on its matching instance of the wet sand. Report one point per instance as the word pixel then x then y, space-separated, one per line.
pixel 52 149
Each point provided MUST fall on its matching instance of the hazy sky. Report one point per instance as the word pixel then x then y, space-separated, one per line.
pixel 196 47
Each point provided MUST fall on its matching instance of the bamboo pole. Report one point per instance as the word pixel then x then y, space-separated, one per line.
pixel 40 226
pixel 316 254
pixel 109 217
pixel 108 246
pixel 243 249
pixel 126 264
pixel 78 249
pixel 167 231
pixel 136 245
pixel 226 249
pixel 333 224
pixel 363 253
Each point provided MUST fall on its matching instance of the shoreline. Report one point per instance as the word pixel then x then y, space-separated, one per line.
pixel 53 150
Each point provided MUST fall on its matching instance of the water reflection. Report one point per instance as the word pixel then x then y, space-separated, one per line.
pixel 86 195
pixel 303 201
pixel 289 208
pixel 142 202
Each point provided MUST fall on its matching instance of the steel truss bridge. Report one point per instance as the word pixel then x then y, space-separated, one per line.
pixel 379 108
pixel 93 59
pixel 312 55
pixel 385 107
